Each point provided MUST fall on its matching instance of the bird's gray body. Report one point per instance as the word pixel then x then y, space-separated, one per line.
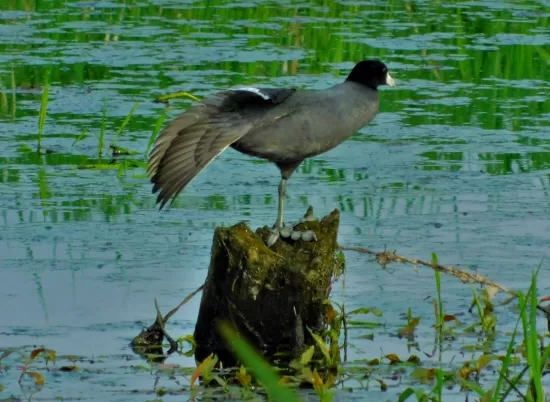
pixel 308 123
pixel 282 125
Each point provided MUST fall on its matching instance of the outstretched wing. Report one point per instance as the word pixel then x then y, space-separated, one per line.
pixel 192 140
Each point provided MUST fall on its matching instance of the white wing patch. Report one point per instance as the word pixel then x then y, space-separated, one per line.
pixel 253 90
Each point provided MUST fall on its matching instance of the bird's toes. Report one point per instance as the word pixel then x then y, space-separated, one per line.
pixel 285 232
pixel 288 232
pixel 308 235
pixel 273 237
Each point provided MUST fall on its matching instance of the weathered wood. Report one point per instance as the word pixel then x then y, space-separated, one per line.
pixel 269 295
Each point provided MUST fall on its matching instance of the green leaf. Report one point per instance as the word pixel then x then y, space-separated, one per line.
pixel 423 373
pixel 126 120
pixel 25 149
pixel 363 324
pixel 406 394
pixel 322 345
pixel 307 355
pixel 483 361
pixel 165 98
pixel 367 310
pixel 80 137
pixel 117 151
pixel 471 385
pixel 100 166
pixel 489 322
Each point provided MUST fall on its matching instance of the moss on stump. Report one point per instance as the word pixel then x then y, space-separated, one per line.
pixel 270 295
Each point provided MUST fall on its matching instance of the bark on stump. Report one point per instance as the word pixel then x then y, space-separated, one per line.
pixel 269 295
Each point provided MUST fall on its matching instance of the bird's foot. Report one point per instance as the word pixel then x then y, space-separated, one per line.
pixel 288 231
pixel 273 237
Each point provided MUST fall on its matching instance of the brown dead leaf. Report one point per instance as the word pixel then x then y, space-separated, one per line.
pixel 483 361
pixel 38 378
pixel 465 372
pixel 413 359
pixel 244 379
pixel 331 314
pixel 423 374
pixel 383 385
pixel 393 358
pixel 50 355
pixel 200 368
pixel 317 381
pixel 36 352
pixel 450 317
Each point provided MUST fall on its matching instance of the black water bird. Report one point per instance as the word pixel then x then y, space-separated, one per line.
pixel 282 125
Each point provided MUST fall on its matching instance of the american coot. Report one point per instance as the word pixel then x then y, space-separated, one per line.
pixel 282 125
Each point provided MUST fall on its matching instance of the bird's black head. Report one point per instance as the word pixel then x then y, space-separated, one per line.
pixel 371 73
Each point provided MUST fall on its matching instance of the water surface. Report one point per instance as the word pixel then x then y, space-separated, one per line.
pixel 457 162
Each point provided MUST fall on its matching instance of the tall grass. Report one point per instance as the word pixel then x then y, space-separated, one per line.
pixel 125 122
pixel 535 360
pixel 154 133
pixel 4 103
pixel 529 324
pixel 101 137
pixel 42 114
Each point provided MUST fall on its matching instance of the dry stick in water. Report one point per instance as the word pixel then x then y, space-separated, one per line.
pixel 385 257
pixel 161 321
pixel 189 297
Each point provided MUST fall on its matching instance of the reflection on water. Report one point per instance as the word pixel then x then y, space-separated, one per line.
pixel 456 163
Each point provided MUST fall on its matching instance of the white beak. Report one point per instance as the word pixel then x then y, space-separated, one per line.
pixel 390 81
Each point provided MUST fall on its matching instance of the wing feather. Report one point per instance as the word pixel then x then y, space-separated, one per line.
pixel 192 140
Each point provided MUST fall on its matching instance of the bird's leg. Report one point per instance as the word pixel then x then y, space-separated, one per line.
pixel 275 232
pixel 280 209
pixel 280 230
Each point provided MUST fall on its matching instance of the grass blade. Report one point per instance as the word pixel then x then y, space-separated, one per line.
pixel 166 98
pixel 265 374
pixel 42 114
pixel 505 364
pixel 158 126
pixel 533 354
pixel 471 385
pixel 101 142
pixel 80 137
pixel 126 120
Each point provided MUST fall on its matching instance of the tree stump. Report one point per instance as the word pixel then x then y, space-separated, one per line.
pixel 269 295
